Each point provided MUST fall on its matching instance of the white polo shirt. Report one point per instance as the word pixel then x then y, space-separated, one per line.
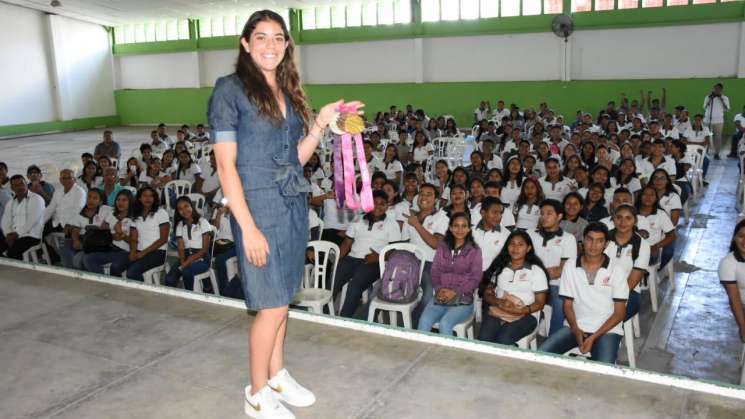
pixel 80 221
pixel 672 133
pixel 510 192
pixel 25 218
pixel 646 167
pixel 561 246
pixel 148 229
pixel 697 136
pixel 189 174
pixel 372 239
pixel 527 217
pixel 436 223
pixel 624 255
pixel 715 108
pixel 490 242
pixel 659 225
pixel 65 205
pixel 523 283
pixel 508 219
pixel 211 181
pixel 391 169
pixel 127 223
pixel 421 154
pixel 593 302
pixel 557 190
pixel 192 235
pixel 633 185
pixel 670 202
pixel 733 271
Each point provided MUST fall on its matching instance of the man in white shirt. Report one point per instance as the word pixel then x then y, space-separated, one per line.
pixel 716 105
pixel 426 229
pixel 157 145
pixel 481 113
pixel 5 197
pixel 22 221
pixel 595 291
pixel 66 202
pixel 163 134
pixel 500 112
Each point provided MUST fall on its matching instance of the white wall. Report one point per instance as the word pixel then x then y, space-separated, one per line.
pixel 716 50
pixel 664 52
pixel 25 71
pixel 53 68
pixel 83 63
pixel 159 71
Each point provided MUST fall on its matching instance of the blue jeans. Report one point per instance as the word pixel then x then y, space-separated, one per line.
pixel 667 254
pixel 605 348
pixel 221 268
pixel 502 332
pixel 71 258
pixel 93 262
pixel 685 190
pixel 136 269
pixel 557 310
pixel 447 316
pixel 633 304
pixel 428 293
pixel 706 165
pixel 187 274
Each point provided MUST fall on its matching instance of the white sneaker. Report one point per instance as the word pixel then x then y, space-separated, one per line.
pixel 264 405
pixel 288 390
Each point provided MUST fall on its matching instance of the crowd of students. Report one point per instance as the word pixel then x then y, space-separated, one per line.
pixel 572 216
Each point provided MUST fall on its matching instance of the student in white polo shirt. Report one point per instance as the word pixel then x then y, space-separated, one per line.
pixel 658 160
pixel 595 291
pixel 623 196
pixel 661 231
pixel 554 247
pixel 669 198
pixel 359 267
pixel 516 293
pixel 23 218
pixel 335 220
pixel 630 249
pixel 732 276
pixel 66 203
pixel 193 235
pixel 148 236
pixel 426 229
pixel 119 221
pixel 94 214
pixel 572 221
pixel 488 234
pixel 494 190
pixel 527 209
pixel 555 185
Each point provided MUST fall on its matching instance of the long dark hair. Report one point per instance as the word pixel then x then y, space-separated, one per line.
pixel 656 199
pixel 668 184
pixel 130 200
pixel 181 168
pixel 503 259
pixel 288 78
pixel 194 213
pixel 733 246
pixel 138 209
pixel 449 239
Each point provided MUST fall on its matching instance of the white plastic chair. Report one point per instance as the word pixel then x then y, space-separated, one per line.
pixel 56 240
pixel 231 267
pixel 318 292
pixel 628 337
pixel 463 329
pixel 132 189
pixel 652 282
pixel 742 366
pixel 32 254
pixel 199 202
pixel 393 308
pixel 180 187
pixel 695 154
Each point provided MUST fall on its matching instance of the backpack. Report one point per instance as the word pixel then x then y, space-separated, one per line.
pixel 400 280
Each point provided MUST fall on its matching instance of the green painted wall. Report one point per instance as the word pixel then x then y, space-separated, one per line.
pixel 71 125
pixel 458 99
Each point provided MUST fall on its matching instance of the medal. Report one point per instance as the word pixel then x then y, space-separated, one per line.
pixel 347 126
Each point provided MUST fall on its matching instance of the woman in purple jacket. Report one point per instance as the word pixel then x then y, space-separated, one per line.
pixel 456 272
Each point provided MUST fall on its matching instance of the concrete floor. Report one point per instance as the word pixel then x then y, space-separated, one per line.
pixel 79 349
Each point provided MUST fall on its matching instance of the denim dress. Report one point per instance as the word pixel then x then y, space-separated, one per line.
pixel 273 186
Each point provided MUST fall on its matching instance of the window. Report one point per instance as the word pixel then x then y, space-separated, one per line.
pixel 449 10
pixel 652 3
pixel 338 17
pixel 354 15
pixel 489 8
pixel 510 8
pixel 430 10
pixel 309 19
pixel 703 1
pixel 628 4
pixel 402 11
pixel 677 2
pixel 469 9
pixel 553 6
pixel 531 7
pixel 370 14
pixel 165 30
pixel 385 12
pixel 581 6
pixel 323 17
pixel 603 4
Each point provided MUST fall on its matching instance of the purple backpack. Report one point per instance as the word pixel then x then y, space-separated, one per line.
pixel 400 280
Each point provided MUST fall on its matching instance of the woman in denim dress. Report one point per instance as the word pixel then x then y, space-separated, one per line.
pixel 263 135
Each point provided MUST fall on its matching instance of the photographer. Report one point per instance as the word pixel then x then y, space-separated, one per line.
pixel 716 105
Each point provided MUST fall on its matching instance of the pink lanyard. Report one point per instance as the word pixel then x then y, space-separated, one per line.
pixel 344 173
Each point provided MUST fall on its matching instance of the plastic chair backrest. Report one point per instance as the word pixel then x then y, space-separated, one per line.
pixel 198 200
pixel 323 252
pixel 181 187
pixel 403 246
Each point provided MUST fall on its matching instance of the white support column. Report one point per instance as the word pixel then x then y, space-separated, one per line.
pixel 54 70
pixel 741 53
